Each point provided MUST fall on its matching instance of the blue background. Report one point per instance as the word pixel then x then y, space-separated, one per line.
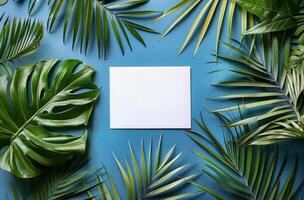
pixel 104 141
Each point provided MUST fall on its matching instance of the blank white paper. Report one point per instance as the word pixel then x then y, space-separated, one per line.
pixel 150 98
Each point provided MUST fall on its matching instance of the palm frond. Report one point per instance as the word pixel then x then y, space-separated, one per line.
pixel 39 106
pixel 82 17
pixel 247 172
pixel 18 38
pixel 274 91
pixel 150 178
pixel 203 20
pixel 61 183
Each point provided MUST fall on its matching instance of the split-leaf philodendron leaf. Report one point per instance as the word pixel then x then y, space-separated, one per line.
pixel 38 105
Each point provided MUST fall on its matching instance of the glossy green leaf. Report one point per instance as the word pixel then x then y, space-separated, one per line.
pixel 272 25
pixel 35 108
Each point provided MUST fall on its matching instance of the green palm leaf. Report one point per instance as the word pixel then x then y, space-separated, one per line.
pixel 277 95
pixel 203 20
pixel 61 183
pixel 150 178
pixel 82 17
pixel 18 38
pixel 38 104
pixel 247 172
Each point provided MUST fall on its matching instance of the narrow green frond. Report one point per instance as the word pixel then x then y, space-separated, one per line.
pixel 109 17
pixel 256 172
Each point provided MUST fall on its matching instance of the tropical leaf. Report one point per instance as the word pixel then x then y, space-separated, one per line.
pixel 274 91
pixel 275 15
pixel 150 178
pixel 247 172
pixel 296 59
pixel 38 104
pixel 82 17
pixel 62 183
pixel 18 38
pixel 203 20
pixel 299 32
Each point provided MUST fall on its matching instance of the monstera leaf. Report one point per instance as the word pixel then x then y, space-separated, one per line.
pixel 37 106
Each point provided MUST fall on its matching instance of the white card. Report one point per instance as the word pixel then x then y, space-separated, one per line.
pixel 150 98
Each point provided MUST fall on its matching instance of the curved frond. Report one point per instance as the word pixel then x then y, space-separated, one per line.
pixel 106 20
pixel 203 21
pixel 158 177
pixel 62 183
pixel 247 172
pixel 18 38
pixel 38 105
pixel 274 90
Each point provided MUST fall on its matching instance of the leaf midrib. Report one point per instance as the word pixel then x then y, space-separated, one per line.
pixel 283 92
pixel 38 111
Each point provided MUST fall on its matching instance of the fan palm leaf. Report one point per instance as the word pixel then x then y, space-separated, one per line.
pixel 247 172
pixel 204 18
pixel 61 183
pixel 38 104
pixel 150 178
pixel 18 38
pixel 277 88
pixel 82 17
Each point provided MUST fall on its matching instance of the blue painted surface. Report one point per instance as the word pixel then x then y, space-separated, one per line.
pixel 104 141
